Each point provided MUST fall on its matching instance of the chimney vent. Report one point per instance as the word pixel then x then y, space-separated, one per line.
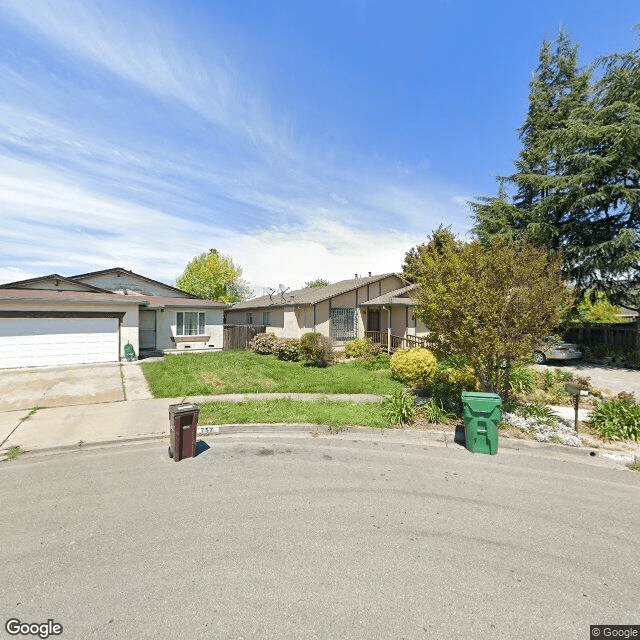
pixel 369 273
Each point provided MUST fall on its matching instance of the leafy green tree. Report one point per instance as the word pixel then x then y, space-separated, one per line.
pixel 214 276
pixel 544 177
pixel 595 309
pixel 489 303
pixel 317 283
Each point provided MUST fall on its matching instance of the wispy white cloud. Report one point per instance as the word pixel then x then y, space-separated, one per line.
pixel 53 225
pixel 125 40
pixel 73 199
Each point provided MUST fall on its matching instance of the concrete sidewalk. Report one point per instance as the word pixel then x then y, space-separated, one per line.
pixel 69 426
pixel 78 425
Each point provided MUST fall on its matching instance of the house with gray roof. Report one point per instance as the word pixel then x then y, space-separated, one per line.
pixel 91 317
pixel 395 314
pixel 374 306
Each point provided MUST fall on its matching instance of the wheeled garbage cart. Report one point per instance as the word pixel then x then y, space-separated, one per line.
pixel 482 412
pixel 183 427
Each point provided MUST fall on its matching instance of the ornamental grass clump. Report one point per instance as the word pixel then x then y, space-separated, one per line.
pixel 399 408
pixel 415 367
pixel 522 380
pixel 616 420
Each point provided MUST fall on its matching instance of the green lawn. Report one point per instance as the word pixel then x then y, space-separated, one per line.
pixel 198 374
pixel 320 412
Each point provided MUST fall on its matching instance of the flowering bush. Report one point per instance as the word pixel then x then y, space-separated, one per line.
pixel 288 349
pixel 264 343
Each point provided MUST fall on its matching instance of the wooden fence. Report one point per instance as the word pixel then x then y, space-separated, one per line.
pixel 624 336
pixel 238 336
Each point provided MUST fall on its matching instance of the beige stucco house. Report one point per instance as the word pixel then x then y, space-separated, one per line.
pixel 91 317
pixel 375 306
pixel 395 313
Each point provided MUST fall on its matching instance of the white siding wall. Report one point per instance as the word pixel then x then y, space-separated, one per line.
pixel 166 326
pixel 134 286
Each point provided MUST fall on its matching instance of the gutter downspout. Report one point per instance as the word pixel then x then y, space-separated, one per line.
pixel 388 310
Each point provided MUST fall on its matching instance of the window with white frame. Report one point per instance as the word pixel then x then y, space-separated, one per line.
pixel 190 323
pixel 342 324
pixel 266 318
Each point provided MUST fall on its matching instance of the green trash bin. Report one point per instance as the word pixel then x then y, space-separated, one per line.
pixel 482 413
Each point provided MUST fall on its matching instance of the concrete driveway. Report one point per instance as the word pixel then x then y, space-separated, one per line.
pixel 616 379
pixel 60 386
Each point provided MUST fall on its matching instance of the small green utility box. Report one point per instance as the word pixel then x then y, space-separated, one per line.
pixel 482 413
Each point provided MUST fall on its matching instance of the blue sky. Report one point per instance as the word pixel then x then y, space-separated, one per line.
pixel 304 139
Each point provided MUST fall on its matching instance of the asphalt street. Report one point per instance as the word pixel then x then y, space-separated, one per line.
pixel 295 536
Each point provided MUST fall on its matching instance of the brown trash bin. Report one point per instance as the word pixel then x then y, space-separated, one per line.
pixel 183 428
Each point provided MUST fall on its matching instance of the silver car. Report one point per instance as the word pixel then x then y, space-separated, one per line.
pixel 557 351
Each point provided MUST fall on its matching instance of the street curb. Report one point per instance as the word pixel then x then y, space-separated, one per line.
pixel 581 454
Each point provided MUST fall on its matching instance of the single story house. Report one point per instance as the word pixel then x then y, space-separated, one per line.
pixel 91 317
pixel 392 319
pixel 374 306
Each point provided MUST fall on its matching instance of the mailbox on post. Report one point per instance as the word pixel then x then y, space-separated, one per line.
pixel 183 427
pixel 576 390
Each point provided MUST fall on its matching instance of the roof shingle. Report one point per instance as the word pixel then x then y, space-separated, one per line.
pixel 310 295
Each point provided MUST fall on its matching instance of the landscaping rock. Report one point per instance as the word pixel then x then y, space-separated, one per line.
pixel 545 429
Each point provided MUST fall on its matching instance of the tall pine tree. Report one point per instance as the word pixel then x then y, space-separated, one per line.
pixel 603 247
pixel 577 180
pixel 544 176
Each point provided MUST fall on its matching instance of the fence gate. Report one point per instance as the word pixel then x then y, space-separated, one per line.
pixel 238 336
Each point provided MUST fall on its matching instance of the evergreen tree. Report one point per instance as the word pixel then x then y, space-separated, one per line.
pixel 603 249
pixel 577 181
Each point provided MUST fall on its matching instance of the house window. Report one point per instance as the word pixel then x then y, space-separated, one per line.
pixel 190 323
pixel 249 318
pixel 266 318
pixel 343 324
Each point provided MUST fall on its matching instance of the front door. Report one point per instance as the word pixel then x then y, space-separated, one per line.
pixel 147 329
pixel 373 320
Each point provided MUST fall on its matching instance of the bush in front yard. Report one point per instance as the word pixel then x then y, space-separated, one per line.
pixel 356 348
pixel 264 343
pixel 377 362
pixel 450 380
pixel 615 420
pixel 415 367
pixel 522 380
pixel 317 349
pixel 288 349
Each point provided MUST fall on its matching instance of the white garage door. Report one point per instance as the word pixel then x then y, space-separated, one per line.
pixel 36 342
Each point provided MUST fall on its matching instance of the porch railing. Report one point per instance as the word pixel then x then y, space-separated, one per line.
pixel 397 342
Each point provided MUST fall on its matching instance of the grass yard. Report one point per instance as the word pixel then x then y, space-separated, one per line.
pixel 320 412
pixel 224 372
